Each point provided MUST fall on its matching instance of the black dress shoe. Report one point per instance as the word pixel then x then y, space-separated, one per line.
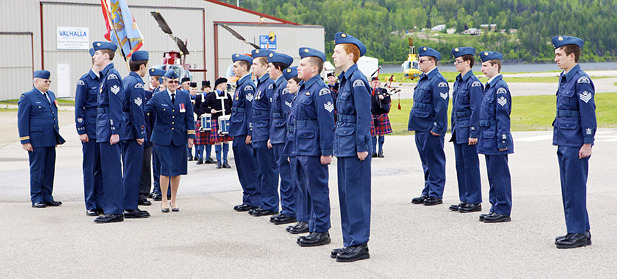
pixel 157 197
pixel 276 216
pixel 455 207
pixel 302 237
pixel 374 155
pixel 200 161
pixel 92 212
pixel 470 207
pixel 573 240
pixel 284 220
pixel 218 165
pixel 144 202
pixel 190 158
pixel 150 195
pixel 165 210
pixel 175 209
pixel 419 200
pixel 209 161
pixel 315 239
pixel 482 216
pixel 497 218
pixel 353 253
pixel 109 218
pixel 432 201
pixel 136 213
pixel 226 166
pixel 335 252
pixel 262 212
pixel 300 227
pixel 243 207
pixel 39 205
pixel 587 233
pixel 380 155
pixel 53 203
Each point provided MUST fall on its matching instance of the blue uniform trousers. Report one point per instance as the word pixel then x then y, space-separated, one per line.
pixel 433 160
pixel 247 171
pixel 300 195
pixel 42 169
pixel 288 201
pixel 156 172
pixel 500 192
pixel 113 190
pixel 573 172
pixel 93 175
pixel 317 192
pixel 468 173
pixel 269 170
pixel 132 157
pixel 354 188
pixel 145 182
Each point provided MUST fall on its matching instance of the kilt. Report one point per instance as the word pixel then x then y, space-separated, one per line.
pixel 214 133
pixel 172 159
pixel 201 138
pixel 380 125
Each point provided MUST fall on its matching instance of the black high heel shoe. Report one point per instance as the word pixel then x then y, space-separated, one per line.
pixel 165 210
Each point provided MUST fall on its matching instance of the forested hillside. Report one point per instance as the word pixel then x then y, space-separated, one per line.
pixel 385 25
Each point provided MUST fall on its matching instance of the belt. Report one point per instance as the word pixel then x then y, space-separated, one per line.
pixel 240 109
pixel 307 123
pixel 486 123
pixel 420 105
pixel 277 115
pixel 346 118
pixel 568 113
pixel 260 112
pixel 462 113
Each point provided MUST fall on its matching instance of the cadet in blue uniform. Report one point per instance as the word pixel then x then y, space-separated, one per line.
pixel 109 125
pixel 156 76
pixel 300 195
pixel 240 129
pixel 86 105
pixel 352 146
pixel 134 133
pixel 266 163
pixel 495 140
pixel 37 120
pixel 145 182
pixel 278 63
pixel 429 119
pixel 313 143
pixel 466 100
pixel 574 129
pixel 174 131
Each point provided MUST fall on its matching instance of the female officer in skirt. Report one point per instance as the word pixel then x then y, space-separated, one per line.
pixel 173 129
pixel 219 103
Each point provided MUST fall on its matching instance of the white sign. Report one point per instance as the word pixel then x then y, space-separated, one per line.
pixel 72 38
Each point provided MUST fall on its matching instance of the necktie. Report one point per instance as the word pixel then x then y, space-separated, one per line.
pixel 47 97
pixel 173 98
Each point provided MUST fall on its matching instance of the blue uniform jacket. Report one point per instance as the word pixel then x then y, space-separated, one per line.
pixel 111 96
pixel 353 107
pixel 150 118
pixel 242 107
pixel 135 123
pixel 37 119
pixel 466 101
pixel 86 104
pixel 174 123
pixel 314 119
pixel 261 109
pixel 575 122
pixel 430 104
pixel 280 107
pixel 495 119
pixel 288 149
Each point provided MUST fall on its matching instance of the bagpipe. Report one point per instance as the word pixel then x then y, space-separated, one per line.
pixel 389 89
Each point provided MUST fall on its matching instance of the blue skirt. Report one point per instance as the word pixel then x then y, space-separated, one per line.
pixel 173 159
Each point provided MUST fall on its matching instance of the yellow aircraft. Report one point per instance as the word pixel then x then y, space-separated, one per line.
pixel 411 68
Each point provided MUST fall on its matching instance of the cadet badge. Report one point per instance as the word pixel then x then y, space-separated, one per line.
pixel 324 91
pixel 115 89
pixel 138 101
pixel 502 101
pixel 588 131
pixel 444 95
pixel 329 106
pixel 358 83
pixel 585 96
pixel 182 109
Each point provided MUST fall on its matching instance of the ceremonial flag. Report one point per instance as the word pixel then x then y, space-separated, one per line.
pixel 121 26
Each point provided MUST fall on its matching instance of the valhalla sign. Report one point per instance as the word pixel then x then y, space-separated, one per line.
pixel 72 38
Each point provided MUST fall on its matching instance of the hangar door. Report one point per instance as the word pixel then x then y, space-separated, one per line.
pixel 16 67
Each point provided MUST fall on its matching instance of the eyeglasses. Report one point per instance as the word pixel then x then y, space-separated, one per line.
pixel 47 81
pixel 172 81
pixel 422 61
pixel 456 62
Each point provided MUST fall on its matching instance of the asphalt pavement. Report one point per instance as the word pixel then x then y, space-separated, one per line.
pixel 207 238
